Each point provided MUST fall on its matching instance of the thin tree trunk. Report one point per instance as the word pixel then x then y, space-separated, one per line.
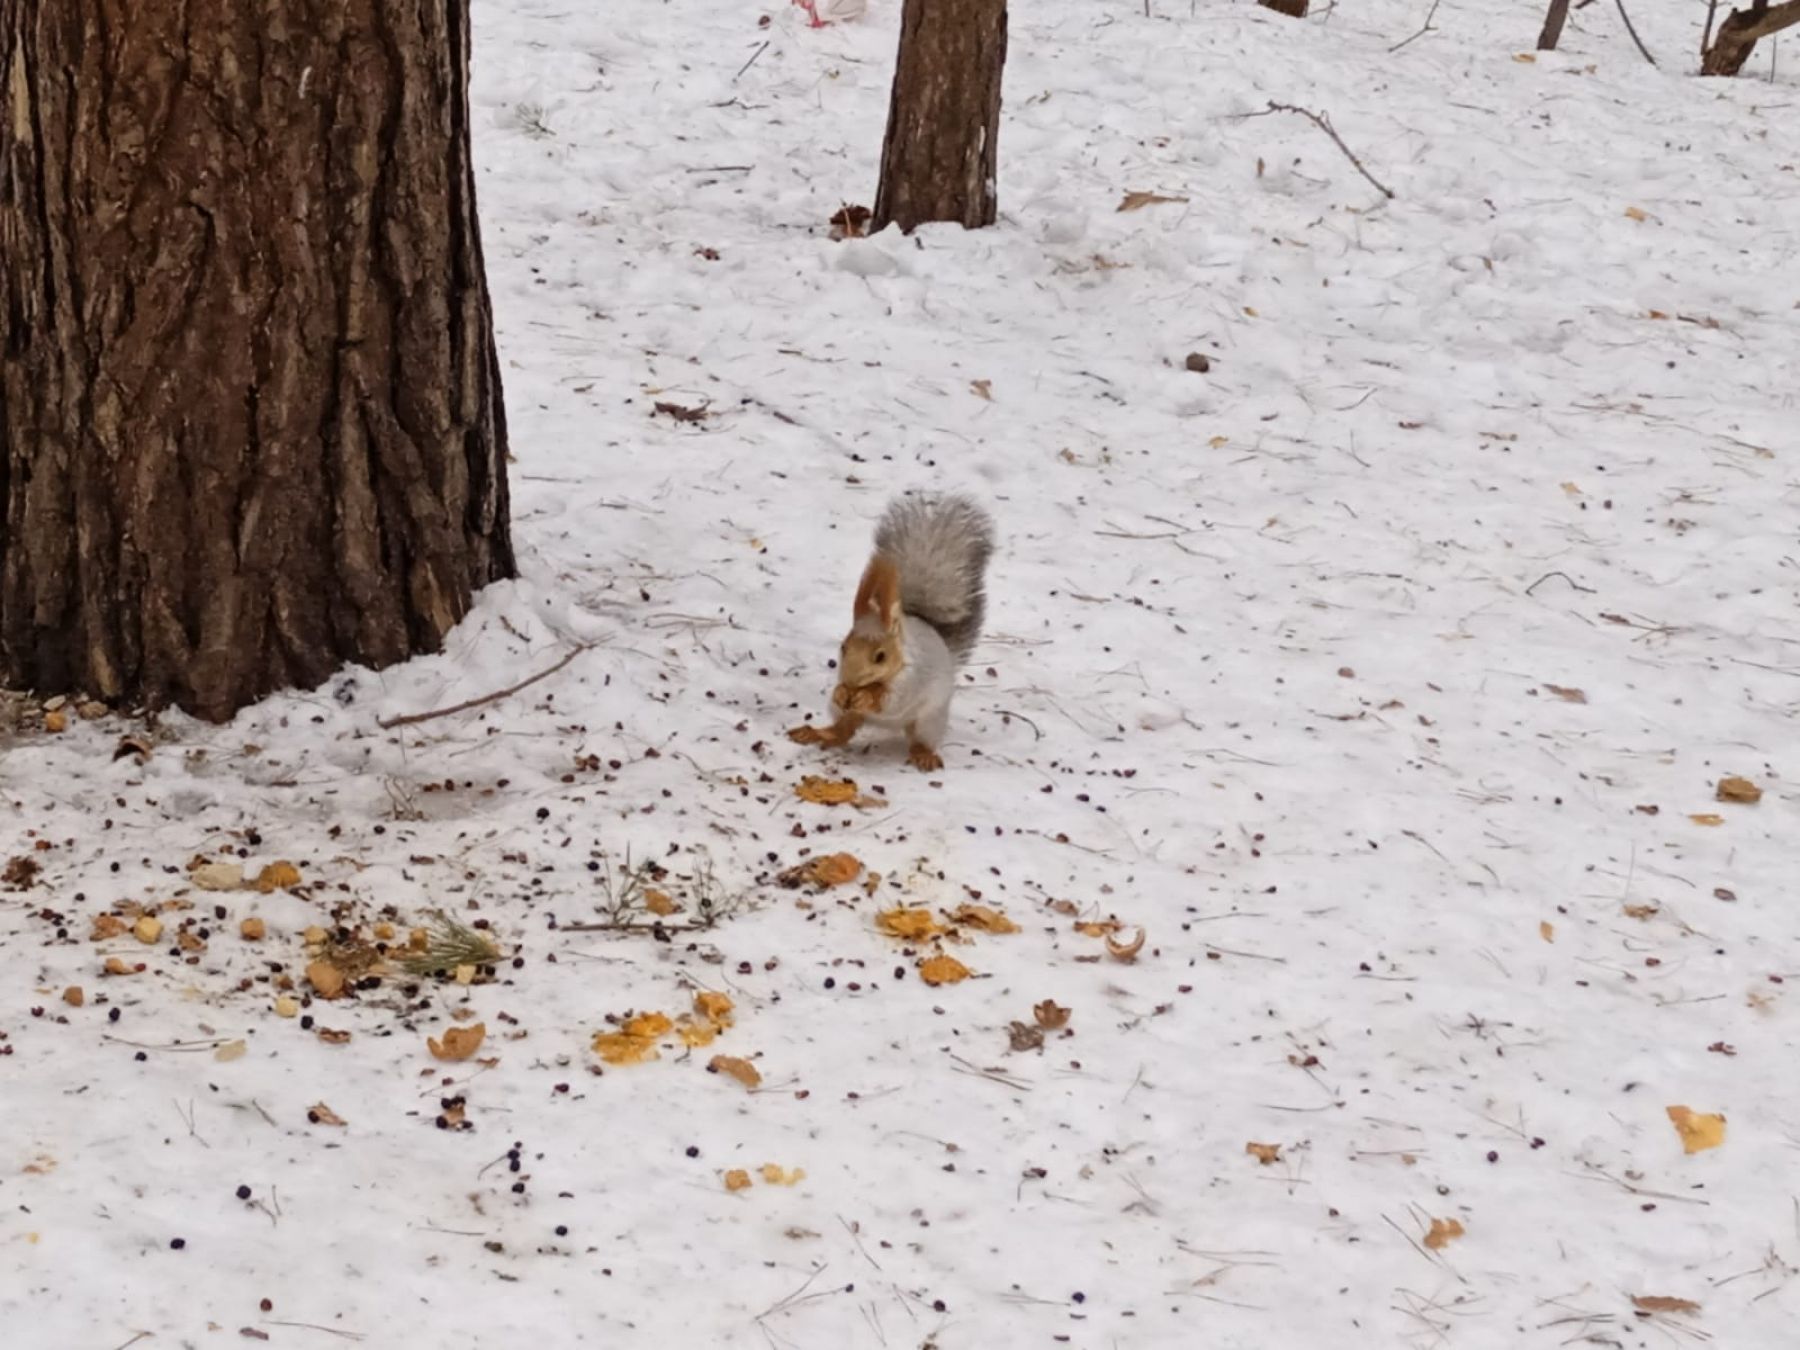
pixel 1294 9
pixel 938 161
pixel 250 410
pixel 1554 20
pixel 1742 30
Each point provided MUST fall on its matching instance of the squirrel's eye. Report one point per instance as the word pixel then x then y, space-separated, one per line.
pixel 880 658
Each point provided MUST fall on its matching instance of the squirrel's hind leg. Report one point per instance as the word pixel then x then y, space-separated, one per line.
pixel 923 735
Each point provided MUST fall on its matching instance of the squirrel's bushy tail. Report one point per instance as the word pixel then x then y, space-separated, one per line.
pixel 940 545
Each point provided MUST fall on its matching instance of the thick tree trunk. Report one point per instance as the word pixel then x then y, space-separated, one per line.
pixel 250 410
pixel 938 160
pixel 1742 30
pixel 1553 25
pixel 1294 9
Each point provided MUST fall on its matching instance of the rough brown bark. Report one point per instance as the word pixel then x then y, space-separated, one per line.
pixel 1742 30
pixel 938 160
pixel 250 410
pixel 1554 20
pixel 1294 9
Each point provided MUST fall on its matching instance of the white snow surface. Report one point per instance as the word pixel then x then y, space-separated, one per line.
pixel 1268 673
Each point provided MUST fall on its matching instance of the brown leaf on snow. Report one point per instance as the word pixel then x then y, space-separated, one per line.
pixel 737 1179
pixel 680 412
pixel 987 920
pixel 1443 1231
pixel 253 929
pixel 320 1114
pixel 658 902
pixel 1125 950
pixel 777 1175
pixel 937 970
pixel 850 222
pixel 1566 693
pixel 635 1041
pixel 1097 927
pixel 114 966
pixel 732 1067
pixel 1662 1303
pixel 327 980
pixel 826 791
pixel 1636 213
pixel 1547 930
pixel 231 1050
pixel 1264 1153
pixel 1698 1131
pixel 831 869
pixel 910 924
pixel 73 996
pixel 106 926
pixel 983 389
pixel 1641 911
pixel 1050 1015
pixel 1137 201
pixel 1735 789
pixel 277 876
pixel 1706 818
pixel 459 1043
pixel 1022 1037
pixel 147 930
pixel 217 876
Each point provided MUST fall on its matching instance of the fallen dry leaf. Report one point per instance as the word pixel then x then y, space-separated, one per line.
pixel 635 1041
pixel 937 970
pixel 287 1006
pixel 826 791
pixel 1526 58
pixel 1097 927
pixel 659 902
pixel 459 1043
pixel 715 1008
pixel 147 930
pixel 1636 213
pixel 1736 789
pixel 106 926
pixel 831 869
pixel 1050 1015
pixel 1566 694
pixel 1706 818
pixel 327 980
pixel 253 930
pixel 1547 930
pixel 320 1114
pixel 732 1067
pixel 911 924
pixel 277 876
pixel 1264 1153
pixel 331 1036
pixel 217 876
pixel 1698 1131
pixel 737 1179
pixel 1641 911
pixel 987 920
pixel 73 996
pixel 114 966
pixel 982 389
pixel 781 1176
pixel 231 1050
pixel 1137 201
pixel 1021 1037
pixel 56 722
pixel 1125 950
pixel 1662 1303
pixel 1442 1231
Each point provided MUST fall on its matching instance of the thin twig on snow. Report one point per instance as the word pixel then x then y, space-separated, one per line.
pixel 411 719
pixel 1323 122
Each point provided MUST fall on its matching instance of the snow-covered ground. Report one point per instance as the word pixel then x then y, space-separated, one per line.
pixel 1383 674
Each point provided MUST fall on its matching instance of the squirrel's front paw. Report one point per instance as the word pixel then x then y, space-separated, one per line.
pixel 924 759
pixel 806 734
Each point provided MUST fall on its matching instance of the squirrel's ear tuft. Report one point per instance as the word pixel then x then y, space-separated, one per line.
pixel 879 594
